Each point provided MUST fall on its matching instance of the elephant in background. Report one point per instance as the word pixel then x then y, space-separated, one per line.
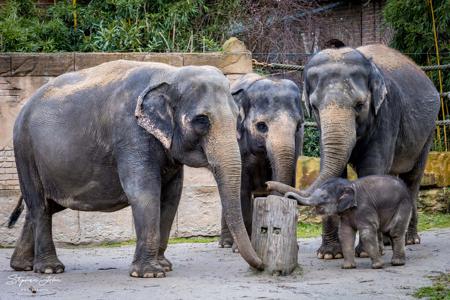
pixel 118 134
pixel 270 135
pixel 376 110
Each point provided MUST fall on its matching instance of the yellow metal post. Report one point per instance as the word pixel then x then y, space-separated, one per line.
pixel 74 4
pixel 444 111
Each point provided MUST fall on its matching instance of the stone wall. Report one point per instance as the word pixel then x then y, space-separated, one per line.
pixel 354 24
pixel 22 74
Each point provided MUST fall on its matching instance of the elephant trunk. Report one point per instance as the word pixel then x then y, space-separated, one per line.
pixel 224 159
pixel 281 152
pixel 309 201
pixel 338 137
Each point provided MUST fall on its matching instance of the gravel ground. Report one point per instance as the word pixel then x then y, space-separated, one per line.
pixel 204 271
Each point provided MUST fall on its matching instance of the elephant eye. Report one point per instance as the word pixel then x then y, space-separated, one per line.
pixel 299 126
pixel 359 106
pixel 201 124
pixel 262 127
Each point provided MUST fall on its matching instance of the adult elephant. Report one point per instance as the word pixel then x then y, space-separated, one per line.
pixel 376 110
pixel 270 135
pixel 118 134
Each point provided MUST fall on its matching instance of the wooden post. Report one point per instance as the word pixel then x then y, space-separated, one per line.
pixel 274 233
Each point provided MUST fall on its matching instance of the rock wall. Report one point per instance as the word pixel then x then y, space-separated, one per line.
pixel 22 74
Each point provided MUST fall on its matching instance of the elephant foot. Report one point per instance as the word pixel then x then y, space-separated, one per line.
pixel 165 263
pixel 330 251
pixel 234 248
pixel 359 251
pixel 22 263
pixel 148 270
pixel 226 241
pixel 348 265
pixel 412 238
pixel 397 261
pixel 377 265
pixel 48 266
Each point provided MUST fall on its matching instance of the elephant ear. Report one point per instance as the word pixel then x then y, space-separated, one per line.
pixel 347 199
pixel 377 87
pixel 154 114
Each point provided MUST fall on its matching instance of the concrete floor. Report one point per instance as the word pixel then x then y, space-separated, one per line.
pixel 204 271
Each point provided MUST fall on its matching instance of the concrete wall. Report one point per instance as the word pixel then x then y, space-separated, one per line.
pixel 22 74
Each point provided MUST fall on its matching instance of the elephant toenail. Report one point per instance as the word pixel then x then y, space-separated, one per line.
pixel 328 256
pixel 339 255
pixel 134 274
pixel 48 271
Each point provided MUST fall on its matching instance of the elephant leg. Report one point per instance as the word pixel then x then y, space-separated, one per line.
pixel 171 194
pixel 347 237
pixel 141 183
pixel 412 180
pixel 330 248
pixel 398 249
pixel 45 259
pixel 381 242
pixel 23 256
pixel 369 237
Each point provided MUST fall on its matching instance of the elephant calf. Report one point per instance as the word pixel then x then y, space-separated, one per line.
pixel 270 135
pixel 371 205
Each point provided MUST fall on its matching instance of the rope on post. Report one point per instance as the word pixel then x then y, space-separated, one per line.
pixel 438 123
pixel 300 67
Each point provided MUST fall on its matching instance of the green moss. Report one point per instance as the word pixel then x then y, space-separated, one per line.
pixel 438 291
pixel 430 221
pixel 307 230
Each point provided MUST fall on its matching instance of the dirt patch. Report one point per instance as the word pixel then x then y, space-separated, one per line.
pixel 204 271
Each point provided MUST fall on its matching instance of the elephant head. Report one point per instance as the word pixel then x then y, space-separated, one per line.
pixel 190 110
pixel 270 122
pixel 344 91
pixel 334 196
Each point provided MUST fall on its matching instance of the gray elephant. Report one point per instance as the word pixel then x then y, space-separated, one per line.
pixel 119 134
pixel 376 110
pixel 372 205
pixel 270 134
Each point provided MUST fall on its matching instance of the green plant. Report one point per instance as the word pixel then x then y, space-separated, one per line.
pixel 116 25
pixel 440 290
pixel 311 141
pixel 412 23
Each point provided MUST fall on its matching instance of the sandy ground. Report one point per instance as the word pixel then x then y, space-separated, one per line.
pixel 204 271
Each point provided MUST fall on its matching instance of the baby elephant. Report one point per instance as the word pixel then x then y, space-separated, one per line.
pixel 371 205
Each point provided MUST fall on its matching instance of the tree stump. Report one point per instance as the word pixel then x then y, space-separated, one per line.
pixel 274 233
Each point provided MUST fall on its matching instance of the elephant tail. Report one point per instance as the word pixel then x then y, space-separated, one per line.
pixel 16 212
